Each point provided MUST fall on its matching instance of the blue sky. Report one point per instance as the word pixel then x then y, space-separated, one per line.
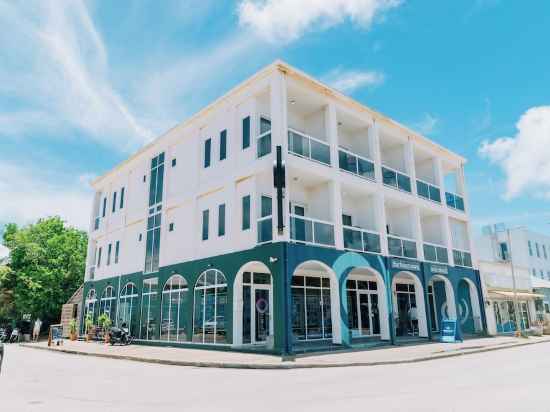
pixel 84 84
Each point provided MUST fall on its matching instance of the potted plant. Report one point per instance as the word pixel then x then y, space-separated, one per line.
pixel 105 323
pixel 72 329
pixel 88 326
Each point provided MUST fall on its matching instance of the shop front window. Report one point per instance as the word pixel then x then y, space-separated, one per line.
pixel 209 310
pixel 107 304
pixel 311 308
pixel 128 302
pixel 173 317
pixel 149 316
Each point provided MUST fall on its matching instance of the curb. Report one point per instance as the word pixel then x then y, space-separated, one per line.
pixel 287 366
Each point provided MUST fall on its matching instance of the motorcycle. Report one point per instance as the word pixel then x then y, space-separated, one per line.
pixel 4 336
pixel 120 335
pixel 15 335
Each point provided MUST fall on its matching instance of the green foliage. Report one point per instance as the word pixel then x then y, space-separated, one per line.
pixel 47 263
pixel 7 305
pixel 104 321
pixel 72 326
pixel 88 322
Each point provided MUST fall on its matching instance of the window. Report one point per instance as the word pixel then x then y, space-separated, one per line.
pixel 263 142
pixel 537 249
pixel 265 222
pixel 205 228
pixel 107 303
pixel 174 162
pixel 223 144
pixel 149 317
pixel 246 212
pixel 346 220
pixel 209 309
pixel 127 306
pixel 121 206
pixel 144 178
pixel 207 152
pixel 140 237
pixel 504 250
pixel 99 257
pixel 221 220
pixel 541 274
pixel 246 132
pixel 171 227
pixel 311 307
pixel 173 319
pixel 104 207
pixel 89 307
pixel 117 251
pixel 152 246
pixel 534 272
pixel 157 180
pixel 109 249
pixel 530 248
pixel 114 203
pixel 544 251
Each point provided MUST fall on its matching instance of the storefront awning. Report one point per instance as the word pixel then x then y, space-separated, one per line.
pixel 506 294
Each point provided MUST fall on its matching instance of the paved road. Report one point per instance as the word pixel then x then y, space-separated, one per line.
pixel 515 379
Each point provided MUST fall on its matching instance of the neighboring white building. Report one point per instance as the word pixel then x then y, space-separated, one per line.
pixel 195 216
pixel 4 254
pixel 499 248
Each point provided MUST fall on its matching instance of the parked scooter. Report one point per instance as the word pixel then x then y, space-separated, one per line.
pixel 4 335
pixel 120 335
pixel 15 335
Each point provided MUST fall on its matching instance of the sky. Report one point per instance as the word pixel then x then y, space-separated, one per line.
pixel 84 84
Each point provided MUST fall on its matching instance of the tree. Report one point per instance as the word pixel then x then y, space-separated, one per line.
pixel 47 263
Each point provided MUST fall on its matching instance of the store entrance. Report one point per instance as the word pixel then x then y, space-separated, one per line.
pixel 363 312
pixel 257 311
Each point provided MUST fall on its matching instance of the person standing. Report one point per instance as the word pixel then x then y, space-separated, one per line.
pixel 36 330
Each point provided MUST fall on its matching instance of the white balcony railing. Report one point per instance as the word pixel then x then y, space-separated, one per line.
pixel 462 258
pixel 312 231
pixel 361 240
pixel 435 253
pixel 355 164
pixel 308 147
pixel 402 247
pixel 396 179
pixel 455 201
pixel 428 191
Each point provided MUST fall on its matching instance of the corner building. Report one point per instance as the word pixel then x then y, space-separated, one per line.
pixel 359 234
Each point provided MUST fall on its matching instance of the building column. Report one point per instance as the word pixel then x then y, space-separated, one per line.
pixel 336 204
pixel 380 218
pixel 409 163
pixel 447 238
pixel 374 141
pixel 279 127
pixel 417 231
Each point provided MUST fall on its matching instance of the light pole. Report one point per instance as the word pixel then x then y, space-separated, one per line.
pixel 516 303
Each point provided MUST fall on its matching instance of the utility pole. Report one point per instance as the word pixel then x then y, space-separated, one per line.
pixel 516 303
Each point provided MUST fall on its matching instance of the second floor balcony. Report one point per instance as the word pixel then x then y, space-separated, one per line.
pixel 454 201
pixel 402 247
pixel 308 147
pixel 428 191
pixel 462 258
pixel 396 179
pixel 435 253
pixel 361 240
pixel 311 231
pixel 355 164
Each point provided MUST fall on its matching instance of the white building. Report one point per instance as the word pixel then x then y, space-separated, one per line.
pixel 505 254
pixel 369 238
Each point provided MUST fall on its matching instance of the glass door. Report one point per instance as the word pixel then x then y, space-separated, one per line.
pixel 364 311
pixel 261 313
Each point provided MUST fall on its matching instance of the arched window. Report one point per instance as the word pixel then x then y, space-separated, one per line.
pixel 127 306
pixel 91 300
pixel 209 311
pixel 172 327
pixel 107 304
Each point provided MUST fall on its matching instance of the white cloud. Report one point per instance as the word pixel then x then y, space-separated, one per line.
pixel 524 158
pixel 283 21
pixel 55 62
pixel 347 81
pixel 427 125
pixel 29 193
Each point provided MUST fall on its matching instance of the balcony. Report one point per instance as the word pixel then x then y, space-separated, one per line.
pixel 428 191
pixel 402 247
pixel 311 231
pixel 395 179
pixel 308 147
pixel 435 253
pixel 455 201
pixel 361 240
pixel 462 258
pixel 355 164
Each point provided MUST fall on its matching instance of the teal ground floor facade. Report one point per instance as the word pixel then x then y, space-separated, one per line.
pixel 285 298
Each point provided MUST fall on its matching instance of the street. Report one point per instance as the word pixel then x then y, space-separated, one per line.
pixel 505 380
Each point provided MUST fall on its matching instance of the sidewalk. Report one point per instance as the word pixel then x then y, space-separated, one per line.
pixel 386 355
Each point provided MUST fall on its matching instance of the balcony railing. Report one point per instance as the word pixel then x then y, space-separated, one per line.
pixel 402 247
pixel 455 201
pixel 265 229
pixel 361 240
pixel 395 179
pixel 435 253
pixel 263 144
pixel 428 191
pixel 308 147
pixel 353 163
pixel 312 231
pixel 462 258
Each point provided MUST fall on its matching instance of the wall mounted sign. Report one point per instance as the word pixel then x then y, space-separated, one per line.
pixel 443 270
pixel 404 265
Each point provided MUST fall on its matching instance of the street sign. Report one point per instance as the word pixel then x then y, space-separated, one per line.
pixel 56 335
pixel 449 331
